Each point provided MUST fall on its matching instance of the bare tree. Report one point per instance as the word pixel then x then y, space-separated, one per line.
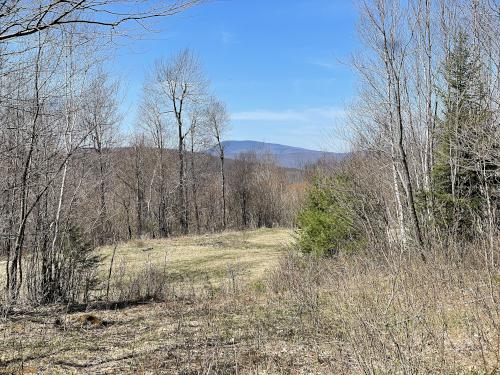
pixel 179 85
pixel 138 152
pixel 241 180
pixel 386 91
pixel 217 119
pixel 101 117
pixel 403 106
pixel 197 140
pixel 156 126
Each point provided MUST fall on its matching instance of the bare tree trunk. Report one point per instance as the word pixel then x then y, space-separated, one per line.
pixel 223 183
pixel 103 212
pixel 218 119
pixel 406 171
pixel 111 269
pixel 139 188
pixel 430 116
pixel 14 276
pixel 399 206
pixel 194 185
pixel 394 88
pixel 162 208
pixel 183 210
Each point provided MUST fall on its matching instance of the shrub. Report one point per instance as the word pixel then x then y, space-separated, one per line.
pixel 327 224
pixel 75 273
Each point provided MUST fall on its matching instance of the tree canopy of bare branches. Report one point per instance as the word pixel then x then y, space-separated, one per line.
pixel 20 18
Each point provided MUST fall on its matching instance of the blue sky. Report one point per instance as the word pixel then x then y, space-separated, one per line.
pixel 278 64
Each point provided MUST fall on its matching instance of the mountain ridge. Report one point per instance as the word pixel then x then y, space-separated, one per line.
pixel 286 156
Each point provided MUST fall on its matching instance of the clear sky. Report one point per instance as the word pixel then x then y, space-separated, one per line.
pixel 278 64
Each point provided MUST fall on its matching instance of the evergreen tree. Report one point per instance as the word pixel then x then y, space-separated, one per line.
pixel 327 224
pixel 457 185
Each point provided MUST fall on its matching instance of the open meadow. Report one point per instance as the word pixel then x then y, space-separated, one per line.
pixel 206 257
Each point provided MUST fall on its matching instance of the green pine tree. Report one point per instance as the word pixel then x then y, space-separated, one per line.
pixel 327 224
pixel 456 184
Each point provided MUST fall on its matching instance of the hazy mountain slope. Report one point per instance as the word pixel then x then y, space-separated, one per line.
pixel 286 156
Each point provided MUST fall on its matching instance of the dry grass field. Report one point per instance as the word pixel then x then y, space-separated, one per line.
pixel 206 256
pixel 239 303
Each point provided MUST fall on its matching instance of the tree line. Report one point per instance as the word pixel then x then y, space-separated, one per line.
pixel 72 181
pixel 425 174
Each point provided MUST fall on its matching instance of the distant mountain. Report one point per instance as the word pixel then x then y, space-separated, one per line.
pixel 285 156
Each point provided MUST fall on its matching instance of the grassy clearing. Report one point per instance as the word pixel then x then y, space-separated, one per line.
pixel 198 258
